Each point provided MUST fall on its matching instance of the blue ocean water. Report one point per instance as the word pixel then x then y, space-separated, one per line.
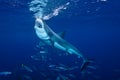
pixel 92 26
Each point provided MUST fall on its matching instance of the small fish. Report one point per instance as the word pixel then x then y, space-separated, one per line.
pixel 92 67
pixel 42 52
pixel 71 75
pixel 63 77
pixel 51 66
pixel 72 68
pixel 62 68
pixel 57 70
pixel 35 57
pixel 5 73
pixel 27 68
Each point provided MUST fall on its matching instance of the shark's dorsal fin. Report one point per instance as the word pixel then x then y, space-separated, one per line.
pixel 62 34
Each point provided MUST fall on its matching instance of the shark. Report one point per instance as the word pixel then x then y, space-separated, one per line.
pixel 48 36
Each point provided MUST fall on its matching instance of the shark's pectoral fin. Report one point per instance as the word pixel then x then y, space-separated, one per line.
pixel 68 51
pixel 85 64
pixel 62 34
pixel 51 42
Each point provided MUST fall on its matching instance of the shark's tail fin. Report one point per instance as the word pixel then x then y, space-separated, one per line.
pixel 85 64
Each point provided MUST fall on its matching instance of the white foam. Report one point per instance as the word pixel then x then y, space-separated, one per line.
pixel 39 7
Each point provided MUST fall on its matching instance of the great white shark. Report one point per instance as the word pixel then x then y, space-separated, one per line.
pixel 47 35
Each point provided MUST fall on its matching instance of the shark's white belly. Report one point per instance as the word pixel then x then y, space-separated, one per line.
pixel 59 46
pixel 41 33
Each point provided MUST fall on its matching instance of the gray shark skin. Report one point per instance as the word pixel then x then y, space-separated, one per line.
pixel 47 35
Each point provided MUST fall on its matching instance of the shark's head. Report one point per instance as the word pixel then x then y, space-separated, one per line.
pixel 40 29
